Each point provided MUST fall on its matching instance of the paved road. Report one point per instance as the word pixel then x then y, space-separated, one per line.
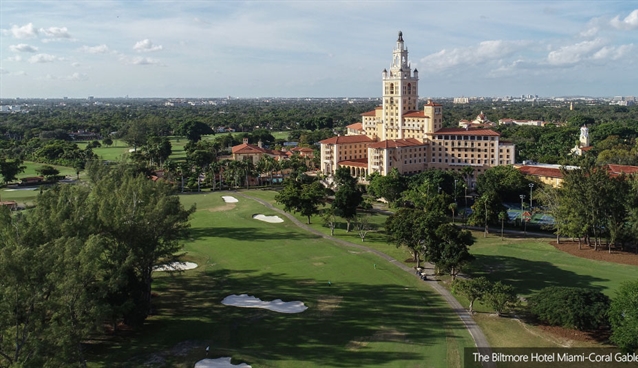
pixel 475 331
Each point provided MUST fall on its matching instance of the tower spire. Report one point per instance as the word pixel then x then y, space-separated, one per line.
pixel 400 36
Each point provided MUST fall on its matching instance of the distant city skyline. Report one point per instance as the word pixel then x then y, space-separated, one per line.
pixel 315 48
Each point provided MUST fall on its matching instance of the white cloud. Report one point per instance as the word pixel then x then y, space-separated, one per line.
pixel 56 32
pixel 630 22
pixel 100 49
pixel 572 54
pixel 26 31
pixel 144 61
pixel 76 77
pixel 146 46
pixel 23 47
pixel 76 64
pixel 4 71
pixel 613 52
pixel 484 52
pixel 14 58
pixel 42 58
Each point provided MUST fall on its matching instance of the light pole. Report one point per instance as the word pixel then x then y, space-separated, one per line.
pixel 522 196
pixel 455 180
pixel 531 186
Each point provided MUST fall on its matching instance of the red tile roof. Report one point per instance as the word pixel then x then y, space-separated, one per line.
pixel 246 148
pixel 541 171
pixel 342 139
pixel 355 126
pixel 625 169
pixel 415 114
pixel 302 149
pixel 369 113
pixel 463 131
pixel 585 149
pixel 359 162
pixel 394 143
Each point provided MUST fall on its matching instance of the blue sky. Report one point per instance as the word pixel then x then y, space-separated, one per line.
pixel 315 48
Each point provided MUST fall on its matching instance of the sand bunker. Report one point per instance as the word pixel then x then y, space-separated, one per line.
pixel 271 219
pixel 219 363
pixel 177 266
pixel 277 305
pixel 229 199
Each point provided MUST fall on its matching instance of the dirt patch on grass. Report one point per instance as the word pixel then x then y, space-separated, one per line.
pixel 384 334
pixel 327 304
pixel 226 207
pixel 595 337
pixel 318 264
pixel 307 282
pixel 602 254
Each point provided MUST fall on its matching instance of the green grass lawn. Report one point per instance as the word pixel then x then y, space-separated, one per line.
pixel 111 153
pixel 533 264
pixel 31 168
pixel 529 264
pixel 27 195
pixel 366 317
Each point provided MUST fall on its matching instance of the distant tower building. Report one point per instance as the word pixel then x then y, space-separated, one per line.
pixel 584 136
pixel 571 106
pixel 400 92
pixel 583 142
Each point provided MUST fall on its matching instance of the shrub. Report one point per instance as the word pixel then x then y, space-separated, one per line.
pixel 570 307
pixel 623 316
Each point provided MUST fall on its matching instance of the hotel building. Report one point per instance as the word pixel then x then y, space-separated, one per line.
pixel 398 134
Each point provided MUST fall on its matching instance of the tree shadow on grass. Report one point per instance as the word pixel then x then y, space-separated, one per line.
pixel 527 276
pixel 337 330
pixel 250 234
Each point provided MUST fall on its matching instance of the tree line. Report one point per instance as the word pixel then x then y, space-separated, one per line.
pixel 83 258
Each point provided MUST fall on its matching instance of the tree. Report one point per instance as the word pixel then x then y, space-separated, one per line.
pixel 413 229
pixel 388 187
pixel 135 133
pixel 452 207
pixel 193 130
pixel 623 315
pixel 501 297
pixel 301 197
pixel 363 226
pixel 48 171
pixel 158 149
pixel 144 221
pixel 472 289
pixel 10 169
pixel 449 251
pixel 505 181
pixel 485 210
pixel 329 219
pixel 502 216
pixel 51 296
pixel 570 307
pixel 107 141
pixel 347 196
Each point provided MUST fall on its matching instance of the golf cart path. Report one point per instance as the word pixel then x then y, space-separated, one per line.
pixel 480 341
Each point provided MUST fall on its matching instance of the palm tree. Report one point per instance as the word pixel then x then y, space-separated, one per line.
pixel 213 169
pixel 452 207
pixel 467 172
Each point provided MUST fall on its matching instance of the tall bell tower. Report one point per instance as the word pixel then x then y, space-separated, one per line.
pixel 400 92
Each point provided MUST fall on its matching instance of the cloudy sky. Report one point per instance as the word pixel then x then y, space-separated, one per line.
pixel 303 48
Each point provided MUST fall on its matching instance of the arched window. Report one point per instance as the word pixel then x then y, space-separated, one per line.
pixel 409 88
pixel 391 88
